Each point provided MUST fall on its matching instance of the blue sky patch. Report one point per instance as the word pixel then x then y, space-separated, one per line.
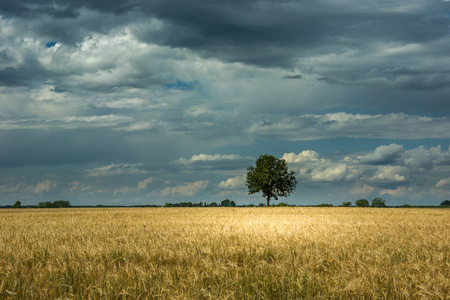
pixel 50 44
pixel 183 85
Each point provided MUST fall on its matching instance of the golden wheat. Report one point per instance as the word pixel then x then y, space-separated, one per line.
pixel 225 253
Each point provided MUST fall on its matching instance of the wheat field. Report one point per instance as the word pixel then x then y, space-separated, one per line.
pixel 225 253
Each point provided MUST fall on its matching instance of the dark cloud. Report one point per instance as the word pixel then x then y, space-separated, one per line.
pixel 292 76
pixel 287 34
pixel 24 74
pixel 383 155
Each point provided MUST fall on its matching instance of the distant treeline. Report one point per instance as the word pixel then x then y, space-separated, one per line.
pixel 377 202
pixel 223 203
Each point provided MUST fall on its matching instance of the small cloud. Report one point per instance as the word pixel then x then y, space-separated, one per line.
pixel 387 174
pixel 123 190
pixel 44 186
pixel 142 185
pixel 400 191
pixel 233 183
pixel 330 174
pixel 362 190
pixel 307 155
pixel 208 158
pixel 443 183
pixel 188 189
pixel 298 76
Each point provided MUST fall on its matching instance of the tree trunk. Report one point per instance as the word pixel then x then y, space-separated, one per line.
pixel 268 200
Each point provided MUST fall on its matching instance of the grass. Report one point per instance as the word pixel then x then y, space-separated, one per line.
pixel 225 253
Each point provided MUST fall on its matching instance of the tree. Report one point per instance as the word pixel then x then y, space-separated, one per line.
pixel 227 203
pixel 271 177
pixel 362 203
pixel 378 202
pixel 17 204
pixel 445 203
pixel 346 204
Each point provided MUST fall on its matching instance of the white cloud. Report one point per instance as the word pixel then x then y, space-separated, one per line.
pixel 142 185
pixel 233 183
pixel 330 174
pixel 207 157
pixel 44 186
pixel 386 174
pixel 116 169
pixel 188 189
pixel 400 191
pixel 307 155
pixel 362 190
pixel 123 190
pixel 443 183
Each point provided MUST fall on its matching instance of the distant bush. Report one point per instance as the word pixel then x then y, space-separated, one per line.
pixel 362 203
pixel 445 203
pixel 346 204
pixel 406 205
pixel 17 204
pixel 325 205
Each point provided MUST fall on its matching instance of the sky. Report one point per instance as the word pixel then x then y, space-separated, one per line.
pixel 145 102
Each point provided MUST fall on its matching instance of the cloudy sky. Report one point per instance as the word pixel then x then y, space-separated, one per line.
pixel 146 102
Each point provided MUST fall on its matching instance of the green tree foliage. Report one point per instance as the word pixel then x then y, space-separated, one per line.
pixel 445 203
pixel 17 204
pixel 378 202
pixel 54 204
pixel 271 177
pixel 346 204
pixel 61 203
pixel 362 203
pixel 227 203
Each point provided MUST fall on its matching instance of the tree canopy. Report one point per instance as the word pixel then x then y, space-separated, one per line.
pixel 362 203
pixel 271 177
pixel 378 202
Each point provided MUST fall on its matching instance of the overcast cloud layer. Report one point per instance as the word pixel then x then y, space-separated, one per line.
pixel 147 102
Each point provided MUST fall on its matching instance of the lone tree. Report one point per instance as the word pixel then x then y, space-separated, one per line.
pixel 271 177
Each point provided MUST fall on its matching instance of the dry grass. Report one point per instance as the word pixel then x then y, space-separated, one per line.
pixel 220 253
